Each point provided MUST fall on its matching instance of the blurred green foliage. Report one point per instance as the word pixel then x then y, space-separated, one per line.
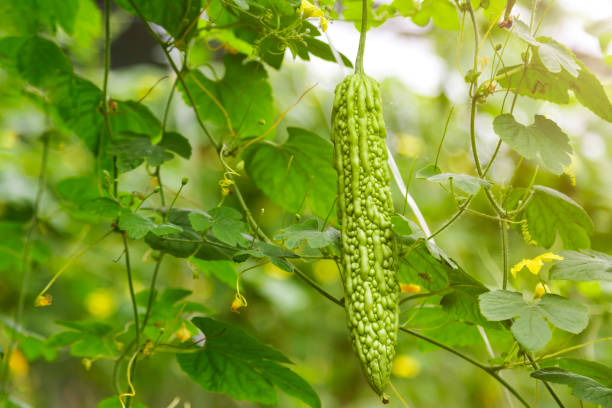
pixel 176 206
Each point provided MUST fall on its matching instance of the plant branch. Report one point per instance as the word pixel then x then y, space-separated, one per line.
pixel 128 269
pixel 459 354
pixel 216 144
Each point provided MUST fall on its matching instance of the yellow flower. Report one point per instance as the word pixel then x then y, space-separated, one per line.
pixel 540 290
pixel 410 288
pixel 183 334
pixel 239 302
pixel 310 10
pixel 405 366
pixel 534 265
pixel 42 301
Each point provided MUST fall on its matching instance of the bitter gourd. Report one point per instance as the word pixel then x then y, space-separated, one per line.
pixel 365 209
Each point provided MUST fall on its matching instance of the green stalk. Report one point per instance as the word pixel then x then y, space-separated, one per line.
pixel 362 38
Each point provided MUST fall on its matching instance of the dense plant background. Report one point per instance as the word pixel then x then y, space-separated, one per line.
pixel 167 223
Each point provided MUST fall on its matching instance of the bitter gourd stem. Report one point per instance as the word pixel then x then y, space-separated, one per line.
pixel 362 38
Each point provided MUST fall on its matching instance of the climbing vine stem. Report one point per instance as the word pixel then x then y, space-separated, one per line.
pixel 362 38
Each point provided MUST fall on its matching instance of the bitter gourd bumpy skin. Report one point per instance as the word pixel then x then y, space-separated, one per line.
pixel 365 208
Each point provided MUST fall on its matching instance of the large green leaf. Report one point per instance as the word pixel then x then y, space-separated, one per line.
pixel 249 113
pixel 180 245
pixel 175 16
pixel 296 172
pixel 592 369
pixel 530 329
pixel 131 117
pixel 550 212
pixel 42 63
pixel 539 83
pixel 86 339
pixel 77 103
pixel 583 387
pixel 583 266
pixel 169 312
pixel 225 271
pixel 135 225
pixel 543 140
pixel 442 12
pixel 553 55
pixel 225 223
pixel 420 267
pixel 235 363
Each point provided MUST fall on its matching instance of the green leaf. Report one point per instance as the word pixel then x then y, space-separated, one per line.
pixel 275 253
pixel 553 55
pixel 77 190
pixel 180 245
pixel 583 387
pixel 563 313
pixel 103 207
pixel 421 268
pixel 132 152
pixel 550 212
pixel 469 184
pixel 176 143
pixel 442 12
pixel 322 50
pixel 502 305
pixel 136 225
pixel 462 304
pixel 175 16
pixel 542 141
pixel 42 63
pixel 539 83
pixel 200 222
pixel 166 229
pixel 236 364
pixel 32 345
pixel 169 311
pixel 530 329
pixel 308 231
pixel 87 24
pixel 452 334
pixel 592 369
pixel 428 171
pixel 405 7
pixel 77 103
pixel 222 270
pixel 80 199
pixel 86 339
pixel 250 113
pixel 296 172
pixel 226 225
pixel 133 117
pixel 583 266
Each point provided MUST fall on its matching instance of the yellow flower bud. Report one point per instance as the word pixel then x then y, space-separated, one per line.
pixel 410 288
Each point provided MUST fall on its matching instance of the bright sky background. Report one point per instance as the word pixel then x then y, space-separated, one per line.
pixel 389 53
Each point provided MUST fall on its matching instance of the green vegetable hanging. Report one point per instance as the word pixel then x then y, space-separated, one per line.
pixel 365 209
